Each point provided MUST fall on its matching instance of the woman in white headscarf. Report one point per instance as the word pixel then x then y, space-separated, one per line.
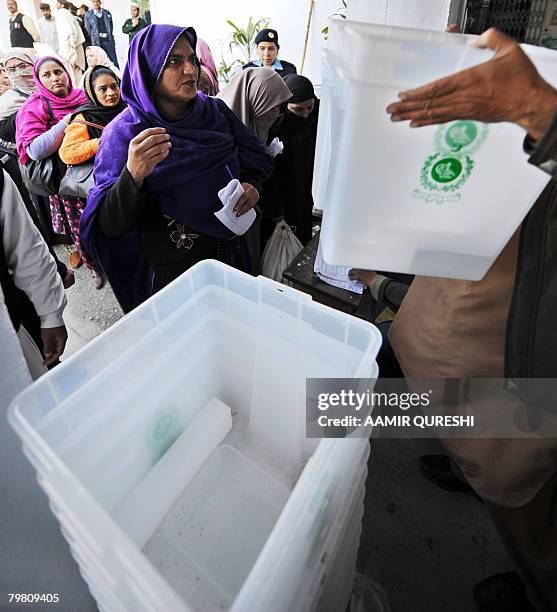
pixel 97 56
pixel 19 69
pixel 255 96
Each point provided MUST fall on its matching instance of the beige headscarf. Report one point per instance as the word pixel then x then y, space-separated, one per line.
pixel 102 60
pixel 253 95
pixel 22 86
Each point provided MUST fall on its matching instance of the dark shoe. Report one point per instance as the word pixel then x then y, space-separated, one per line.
pixel 504 592
pixel 437 469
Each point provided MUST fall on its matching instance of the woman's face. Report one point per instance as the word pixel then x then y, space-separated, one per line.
pixel 178 82
pixel 267 52
pixel 302 109
pixel 107 90
pixel 54 78
pixel 92 59
pixel 16 67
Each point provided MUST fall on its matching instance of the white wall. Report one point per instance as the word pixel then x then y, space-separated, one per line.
pixel 425 14
pixel 289 17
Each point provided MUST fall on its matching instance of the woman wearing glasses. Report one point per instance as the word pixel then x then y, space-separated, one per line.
pixel 19 69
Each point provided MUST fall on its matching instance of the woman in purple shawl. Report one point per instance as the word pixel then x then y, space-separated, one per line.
pixel 159 168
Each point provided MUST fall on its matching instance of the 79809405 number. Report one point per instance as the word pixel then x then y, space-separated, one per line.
pixel 31 598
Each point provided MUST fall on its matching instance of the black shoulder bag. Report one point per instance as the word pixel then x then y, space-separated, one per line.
pixel 78 179
pixel 42 176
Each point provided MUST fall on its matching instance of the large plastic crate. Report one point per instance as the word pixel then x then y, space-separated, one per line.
pixel 436 201
pixel 173 450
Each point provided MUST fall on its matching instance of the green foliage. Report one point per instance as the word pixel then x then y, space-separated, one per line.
pixel 241 46
pixel 226 70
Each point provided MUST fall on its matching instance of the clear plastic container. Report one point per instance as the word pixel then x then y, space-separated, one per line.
pixel 437 201
pixel 173 449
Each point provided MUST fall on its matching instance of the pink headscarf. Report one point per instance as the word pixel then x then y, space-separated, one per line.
pixel 32 119
pixel 206 59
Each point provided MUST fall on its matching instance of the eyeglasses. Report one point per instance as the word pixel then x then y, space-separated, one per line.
pixel 19 69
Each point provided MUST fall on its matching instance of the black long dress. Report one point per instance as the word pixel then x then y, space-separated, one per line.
pixel 288 192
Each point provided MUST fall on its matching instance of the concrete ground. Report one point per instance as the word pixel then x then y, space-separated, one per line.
pixel 89 311
pixel 424 546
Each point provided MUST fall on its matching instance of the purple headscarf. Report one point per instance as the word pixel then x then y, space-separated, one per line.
pixel 207 144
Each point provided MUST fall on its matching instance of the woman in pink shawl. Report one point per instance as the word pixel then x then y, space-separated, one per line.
pixel 40 126
pixel 209 77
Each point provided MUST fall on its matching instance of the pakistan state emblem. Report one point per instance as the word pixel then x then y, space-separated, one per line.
pixel 448 168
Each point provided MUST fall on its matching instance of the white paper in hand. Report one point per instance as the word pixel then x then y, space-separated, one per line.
pixel 275 148
pixel 229 196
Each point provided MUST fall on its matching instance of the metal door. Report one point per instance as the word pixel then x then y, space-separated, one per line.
pixel 521 19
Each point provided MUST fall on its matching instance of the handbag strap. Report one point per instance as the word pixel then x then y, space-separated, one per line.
pixel 51 117
pixel 90 123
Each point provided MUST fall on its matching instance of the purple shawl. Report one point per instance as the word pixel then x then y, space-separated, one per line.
pixel 184 185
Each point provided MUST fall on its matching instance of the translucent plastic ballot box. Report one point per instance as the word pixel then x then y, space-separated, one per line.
pixel 438 200
pixel 173 451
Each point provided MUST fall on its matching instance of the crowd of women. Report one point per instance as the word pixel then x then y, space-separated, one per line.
pixel 125 169
pixel 129 172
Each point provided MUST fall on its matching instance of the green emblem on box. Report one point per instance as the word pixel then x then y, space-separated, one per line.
pixel 451 164
pixel 446 173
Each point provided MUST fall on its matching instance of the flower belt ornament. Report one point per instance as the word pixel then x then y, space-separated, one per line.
pixel 181 235
pixel 451 164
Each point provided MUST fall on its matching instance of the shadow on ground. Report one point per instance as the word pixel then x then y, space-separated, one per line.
pixel 426 547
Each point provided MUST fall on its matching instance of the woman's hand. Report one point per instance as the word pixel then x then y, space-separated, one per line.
pixel 67 119
pixel 248 200
pixel 147 150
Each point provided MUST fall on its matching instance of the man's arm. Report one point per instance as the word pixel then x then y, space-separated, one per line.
pixel 127 27
pixel 109 23
pixel 505 88
pixel 543 153
pixel 33 269
pixel 88 26
pixel 29 25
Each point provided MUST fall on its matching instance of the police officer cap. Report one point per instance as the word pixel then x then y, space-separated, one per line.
pixel 267 35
